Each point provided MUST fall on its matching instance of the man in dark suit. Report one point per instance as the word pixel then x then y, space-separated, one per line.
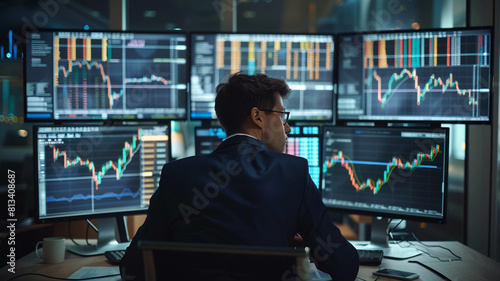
pixel 247 192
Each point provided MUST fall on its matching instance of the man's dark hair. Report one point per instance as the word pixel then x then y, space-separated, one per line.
pixel 236 97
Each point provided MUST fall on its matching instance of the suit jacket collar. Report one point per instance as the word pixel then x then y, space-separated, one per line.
pixel 243 139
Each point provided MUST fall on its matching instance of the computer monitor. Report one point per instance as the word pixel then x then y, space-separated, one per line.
pixel 386 172
pixel 98 172
pixel 441 76
pixel 207 139
pixel 94 75
pixel 303 141
pixel 305 61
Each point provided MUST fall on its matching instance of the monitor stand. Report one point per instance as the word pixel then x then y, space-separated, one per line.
pixel 380 241
pixel 106 238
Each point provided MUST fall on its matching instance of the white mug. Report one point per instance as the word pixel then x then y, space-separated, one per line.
pixel 54 249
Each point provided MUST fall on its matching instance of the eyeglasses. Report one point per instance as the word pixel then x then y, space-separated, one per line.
pixel 284 114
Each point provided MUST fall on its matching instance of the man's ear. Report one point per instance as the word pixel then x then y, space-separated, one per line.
pixel 256 116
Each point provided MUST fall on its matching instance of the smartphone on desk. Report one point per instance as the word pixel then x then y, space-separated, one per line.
pixel 396 274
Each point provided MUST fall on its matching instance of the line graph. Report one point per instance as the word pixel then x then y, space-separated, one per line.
pixel 86 85
pixel 403 69
pixel 125 193
pixel 153 78
pixel 119 166
pixel 107 75
pixel 90 168
pixel 376 185
pixel 71 85
pixel 436 76
pixel 396 169
pixel 397 79
pixel 433 92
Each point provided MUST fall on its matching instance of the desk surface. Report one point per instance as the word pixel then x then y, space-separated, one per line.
pixel 473 266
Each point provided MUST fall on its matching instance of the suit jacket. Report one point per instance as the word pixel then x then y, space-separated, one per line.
pixel 243 194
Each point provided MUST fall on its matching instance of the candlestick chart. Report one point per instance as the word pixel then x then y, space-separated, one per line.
pixel 427 76
pixel 380 169
pixel 441 76
pixel 111 82
pixel 394 163
pixel 96 170
pixel 108 75
pixel 420 92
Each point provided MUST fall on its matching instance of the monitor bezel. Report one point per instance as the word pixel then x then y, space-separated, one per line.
pixel 386 120
pixel 334 65
pixel 391 215
pixel 77 120
pixel 112 214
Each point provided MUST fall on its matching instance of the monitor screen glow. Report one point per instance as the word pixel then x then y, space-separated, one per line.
pixel 415 76
pixel 303 141
pixel 76 75
pixel 304 61
pixel 92 171
pixel 388 172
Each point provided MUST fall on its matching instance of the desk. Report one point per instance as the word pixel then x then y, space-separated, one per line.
pixel 474 265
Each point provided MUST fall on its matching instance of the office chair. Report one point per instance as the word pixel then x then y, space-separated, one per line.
pixel 253 261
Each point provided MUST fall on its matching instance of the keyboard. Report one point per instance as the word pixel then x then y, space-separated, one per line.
pixel 114 257
pixel 370 257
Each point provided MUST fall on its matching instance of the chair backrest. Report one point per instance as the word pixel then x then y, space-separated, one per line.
pixel 301 266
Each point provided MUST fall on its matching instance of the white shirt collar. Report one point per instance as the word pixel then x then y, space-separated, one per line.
pixel 240 134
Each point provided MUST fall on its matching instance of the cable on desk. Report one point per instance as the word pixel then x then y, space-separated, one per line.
pixel 390 235
pixel 387 230
pixel 89 224
pixel 458 258
pixel 59 278
pixel 87 234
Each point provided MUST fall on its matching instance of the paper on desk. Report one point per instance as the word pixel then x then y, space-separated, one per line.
pixel 95 271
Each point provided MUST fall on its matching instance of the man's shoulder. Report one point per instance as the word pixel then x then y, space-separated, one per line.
pixel 286 156
pixel 182 162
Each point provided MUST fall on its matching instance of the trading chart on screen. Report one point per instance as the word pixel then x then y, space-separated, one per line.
pixel 415 76
pixel 91 169
pixel 304 61
pixel 106 75
pixel 304 141
pixel 392 170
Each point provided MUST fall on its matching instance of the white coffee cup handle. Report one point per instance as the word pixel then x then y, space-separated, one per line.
pixel 36 249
